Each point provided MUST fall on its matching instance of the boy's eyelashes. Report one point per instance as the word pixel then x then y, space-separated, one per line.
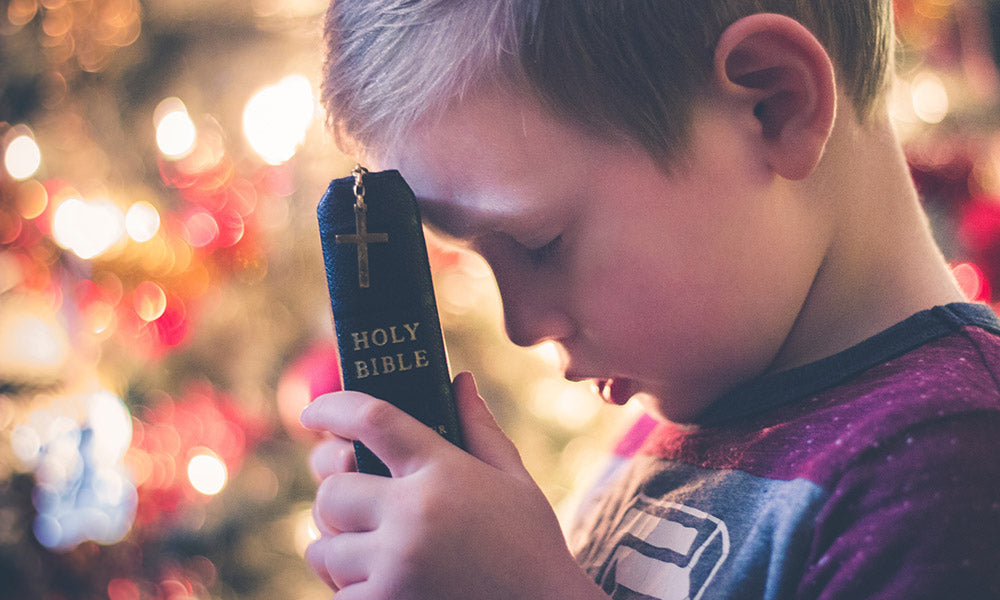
pixel 544 254
pixel 442 236
pixel 499 247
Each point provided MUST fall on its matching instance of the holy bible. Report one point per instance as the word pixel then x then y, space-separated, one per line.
pixel 384 311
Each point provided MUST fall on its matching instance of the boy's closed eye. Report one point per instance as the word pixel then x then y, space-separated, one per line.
pixel 546 253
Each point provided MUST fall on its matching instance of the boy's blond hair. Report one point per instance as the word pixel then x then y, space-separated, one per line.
pixel 628 68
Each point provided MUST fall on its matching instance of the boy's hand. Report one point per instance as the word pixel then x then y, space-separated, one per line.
pixel 448 524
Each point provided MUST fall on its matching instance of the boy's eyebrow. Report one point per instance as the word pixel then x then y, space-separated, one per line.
pixel 442 219
pixel 439 235
pixel 459 222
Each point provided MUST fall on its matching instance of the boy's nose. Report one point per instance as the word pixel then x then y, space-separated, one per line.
pixel 533 296
pixel 533 308
pixel 526 328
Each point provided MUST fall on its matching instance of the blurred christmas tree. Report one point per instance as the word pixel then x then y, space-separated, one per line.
pixel 947 109
pixel 163 312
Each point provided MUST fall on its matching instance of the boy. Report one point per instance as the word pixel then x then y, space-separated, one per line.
pixel 704 204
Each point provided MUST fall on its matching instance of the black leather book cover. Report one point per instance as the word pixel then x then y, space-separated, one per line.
pixel 386 320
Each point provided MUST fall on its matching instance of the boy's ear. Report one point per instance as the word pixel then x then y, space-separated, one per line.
pixel 773 66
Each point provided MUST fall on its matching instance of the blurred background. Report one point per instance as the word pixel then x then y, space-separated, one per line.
pixel 163 307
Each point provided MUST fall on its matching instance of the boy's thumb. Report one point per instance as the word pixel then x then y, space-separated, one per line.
pixel 481 434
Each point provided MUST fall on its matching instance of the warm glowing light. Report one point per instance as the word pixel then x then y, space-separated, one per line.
pixel 30 340
pixel 123 589
pixel 986 173
pixel 231 228
pixel 11 227
pixel 288 8
pixel 971 281
pixel 99 317
pixel 572 406
pixel 149 300
pixel 142 221
pixel 22 157
pixel 88 228
pixel 111 424
pixel 930 98
pixel 207 473
pixel 32 198
pixel 306 531
pixel 175 131
pixel 276 118
pixel 202 229
pixel 21 12
pixel 550 353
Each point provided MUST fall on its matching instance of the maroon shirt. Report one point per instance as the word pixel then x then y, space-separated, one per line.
pixel 874 473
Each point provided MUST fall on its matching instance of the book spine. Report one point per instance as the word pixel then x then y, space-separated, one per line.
pixel 388 332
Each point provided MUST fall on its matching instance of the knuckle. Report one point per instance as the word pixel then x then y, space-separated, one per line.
pixel 332 456
pixel 376 415
pixel 325 489
pixel 426 508
pixel 316 559
pixel 322 512
pixel 328 506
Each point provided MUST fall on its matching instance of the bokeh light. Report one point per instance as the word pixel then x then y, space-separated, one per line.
pixel 971 281
pixel 202 229
pixel 21 12
pixel 26 444
pixel 88 228
pixel 569 405
pixel 32 342
pixel 149 300
pixel 123 589
pixel 176 133
pixel 142 221
pixel 32 199
pixel 22 157
pixel 207 473
pixel 277 117
pixel 930 98
pixel 306 531
pixel 83 491
pixel 111 423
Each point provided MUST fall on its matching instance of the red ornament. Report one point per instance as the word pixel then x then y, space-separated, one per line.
pixel 313 373
pixel 171 433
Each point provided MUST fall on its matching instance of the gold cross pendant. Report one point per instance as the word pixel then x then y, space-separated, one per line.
pixel 362 238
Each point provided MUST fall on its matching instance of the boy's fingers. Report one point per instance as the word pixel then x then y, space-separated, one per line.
pixel 317 561
pixel 398 439
pixel 364 590
pixel 482 435
pixel 348 502
pixel 332 455
pixel 342 559
pixel 323 528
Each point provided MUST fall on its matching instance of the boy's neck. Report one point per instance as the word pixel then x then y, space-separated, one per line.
pixel 882 264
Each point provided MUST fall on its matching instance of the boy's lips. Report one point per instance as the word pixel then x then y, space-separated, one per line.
pixel 613 390
pixel 616 391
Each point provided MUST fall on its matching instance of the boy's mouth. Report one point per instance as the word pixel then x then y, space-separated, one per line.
pixel 615 391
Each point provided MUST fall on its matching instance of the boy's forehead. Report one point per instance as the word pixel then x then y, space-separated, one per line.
pixel 492 157
pixel 463 208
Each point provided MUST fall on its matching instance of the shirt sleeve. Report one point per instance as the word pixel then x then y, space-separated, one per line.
pixel 914 517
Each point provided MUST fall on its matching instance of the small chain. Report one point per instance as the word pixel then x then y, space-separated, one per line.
pixel 359 185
